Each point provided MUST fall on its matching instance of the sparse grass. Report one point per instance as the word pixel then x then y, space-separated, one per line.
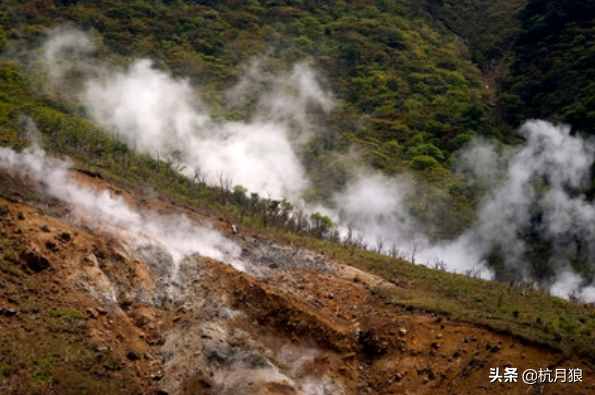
pixel 48 351
pixel 5 370
pixel 55 362
pixel 529 314
pixel 66 313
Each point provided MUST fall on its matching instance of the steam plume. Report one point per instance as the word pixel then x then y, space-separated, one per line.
pixel 163 116
pixel 100 209
pixel 537 189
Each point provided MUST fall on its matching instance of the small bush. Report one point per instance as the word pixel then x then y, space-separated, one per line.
pixel 423 162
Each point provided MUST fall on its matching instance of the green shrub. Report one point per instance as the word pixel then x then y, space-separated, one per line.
pixel 423 162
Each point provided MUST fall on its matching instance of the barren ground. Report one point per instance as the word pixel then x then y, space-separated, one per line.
pixel 83 312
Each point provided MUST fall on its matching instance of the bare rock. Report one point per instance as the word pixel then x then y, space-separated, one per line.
pixel 8 311
pixel 51 246
pixel 64 237
pixel 34 261
pixel 92 313
pixel 132 355
pixel 91 260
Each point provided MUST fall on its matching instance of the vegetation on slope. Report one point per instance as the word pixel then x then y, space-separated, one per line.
pixel 552 74
pixel 488 27
pixel 528 314
pixel 411 85
pixel 408 92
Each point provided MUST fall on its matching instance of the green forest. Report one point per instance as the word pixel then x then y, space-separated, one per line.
pixel 415 80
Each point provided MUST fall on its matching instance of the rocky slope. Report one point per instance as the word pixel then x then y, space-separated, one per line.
pixel 90 312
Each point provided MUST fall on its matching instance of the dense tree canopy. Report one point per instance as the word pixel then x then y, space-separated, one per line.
pixel 552 75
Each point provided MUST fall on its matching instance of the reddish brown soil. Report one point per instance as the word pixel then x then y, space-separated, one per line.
pixel 364 343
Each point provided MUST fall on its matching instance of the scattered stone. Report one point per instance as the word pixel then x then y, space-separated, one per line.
pixel 402 346
pixel 435 346
pixel 402 332
pixel 155 341
pixel 51 246
pixel 45 228
pixel 3 211
pixel 92 313
pixel 8 311
pixel 494 348
pixel 431 374
pixel 101 311
pixel 234 229
pixel 102 348
pixel 439 336
pixel 91 260
pixel 20 216
pixel 217 356
pixel 35 262
pixel 132 356
pixel 157 376
pixel 399 376
pixel 64 237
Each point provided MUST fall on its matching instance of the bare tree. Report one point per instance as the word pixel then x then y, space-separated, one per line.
pixel 349 238
pixel 224 183
pixel 394 251
pixel 200 177
pixel 413 250
pixel 439 264
pixel 379 245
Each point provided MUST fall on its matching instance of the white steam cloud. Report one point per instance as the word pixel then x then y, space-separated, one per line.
pixel 101 210
pixel 543 192
pixel 542 181
pixel 162 116
pixel 536 189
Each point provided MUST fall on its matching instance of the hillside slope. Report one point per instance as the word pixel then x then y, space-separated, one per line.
pixel 125 269
pixel 412 82
pixel 111 315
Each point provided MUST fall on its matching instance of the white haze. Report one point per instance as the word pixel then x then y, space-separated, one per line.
pixel 549 173
pixel 102 210
pixel 163 116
